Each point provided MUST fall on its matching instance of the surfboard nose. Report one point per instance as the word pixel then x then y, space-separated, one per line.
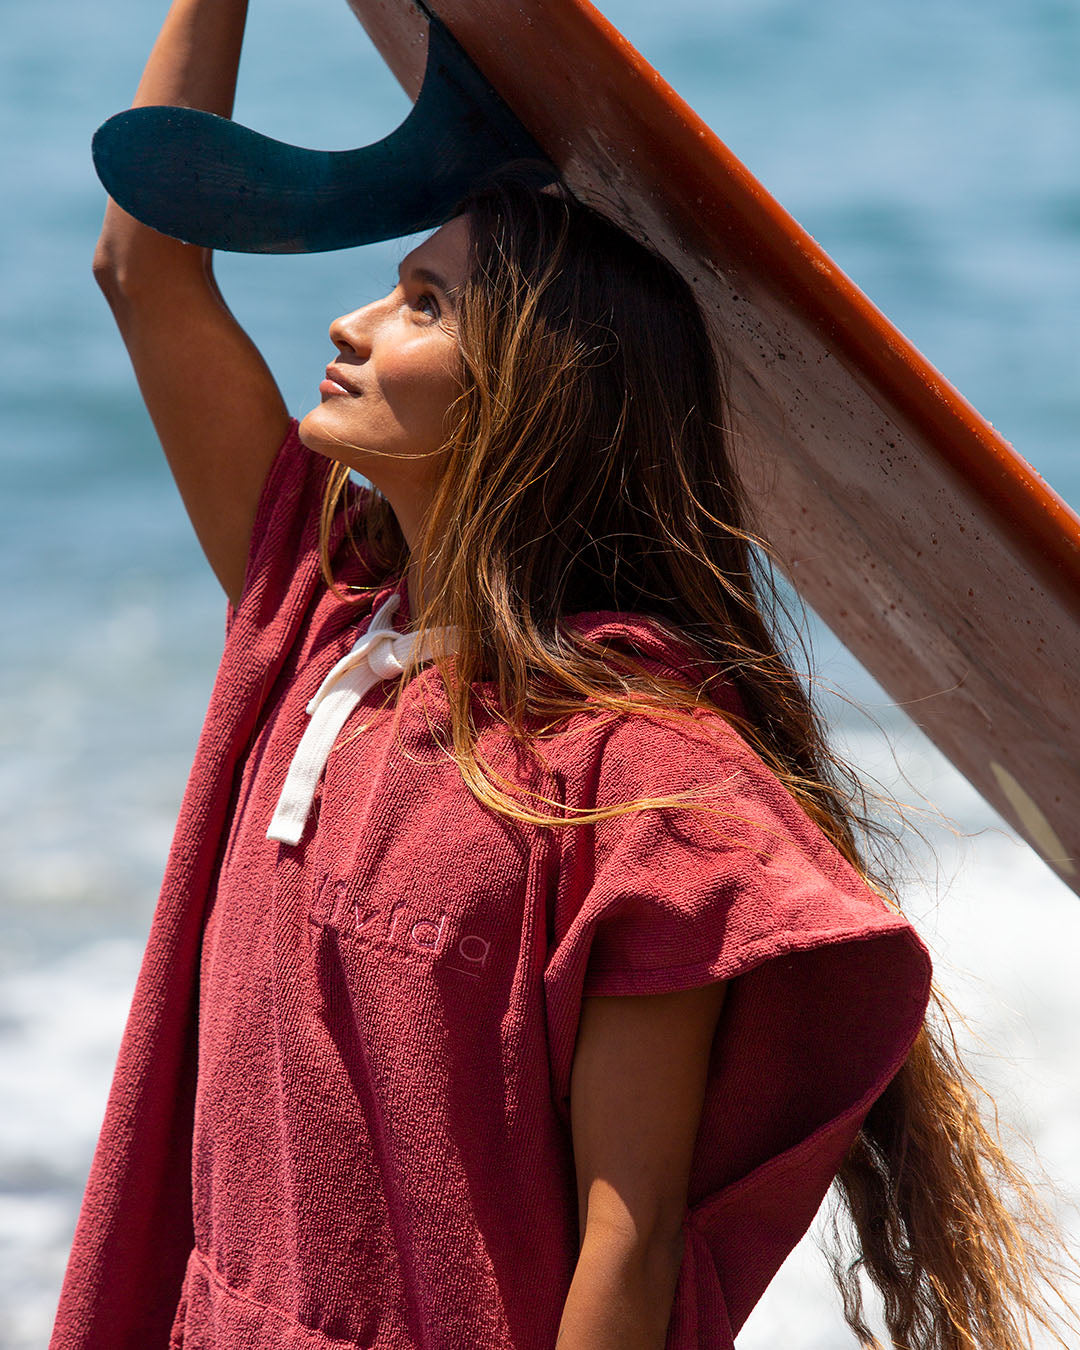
pixel 210 181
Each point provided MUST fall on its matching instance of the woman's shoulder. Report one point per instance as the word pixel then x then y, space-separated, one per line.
pixel 649 737
pixel 701 743
pixel 650 750
pixel 658 642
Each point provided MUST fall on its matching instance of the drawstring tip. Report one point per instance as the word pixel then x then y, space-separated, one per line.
pixel 285 831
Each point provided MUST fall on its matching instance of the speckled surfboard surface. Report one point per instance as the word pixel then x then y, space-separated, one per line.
pixel 940 558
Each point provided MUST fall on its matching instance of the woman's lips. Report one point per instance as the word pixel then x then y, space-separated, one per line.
pixel 335 383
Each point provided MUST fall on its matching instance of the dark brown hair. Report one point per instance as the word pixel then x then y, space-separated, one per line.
pixel 588 469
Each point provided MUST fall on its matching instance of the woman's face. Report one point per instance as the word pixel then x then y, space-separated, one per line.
pixel 387 392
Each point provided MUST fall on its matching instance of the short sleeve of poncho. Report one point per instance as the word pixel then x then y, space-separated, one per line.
pixel 828 984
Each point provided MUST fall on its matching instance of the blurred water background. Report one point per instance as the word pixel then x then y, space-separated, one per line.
pixel 930 148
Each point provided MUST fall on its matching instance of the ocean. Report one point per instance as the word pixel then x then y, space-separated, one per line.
pixel 931 150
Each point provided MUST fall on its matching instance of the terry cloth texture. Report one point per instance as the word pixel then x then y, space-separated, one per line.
pixel 340 1116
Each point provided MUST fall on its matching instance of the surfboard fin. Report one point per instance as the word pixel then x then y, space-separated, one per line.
pixel 210 181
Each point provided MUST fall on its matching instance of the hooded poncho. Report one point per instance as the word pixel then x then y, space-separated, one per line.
pixel 340 1116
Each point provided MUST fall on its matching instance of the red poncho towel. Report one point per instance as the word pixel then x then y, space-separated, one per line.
pixel 340 1116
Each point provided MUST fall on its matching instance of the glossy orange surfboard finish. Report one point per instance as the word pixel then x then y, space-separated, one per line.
pixel 930 547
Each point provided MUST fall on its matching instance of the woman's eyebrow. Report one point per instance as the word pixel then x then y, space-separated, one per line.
pixel 432 278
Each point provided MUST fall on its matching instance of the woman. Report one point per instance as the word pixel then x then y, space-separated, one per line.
pixel 516 979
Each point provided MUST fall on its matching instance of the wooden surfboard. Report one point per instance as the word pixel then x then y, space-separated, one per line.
pixel 929 546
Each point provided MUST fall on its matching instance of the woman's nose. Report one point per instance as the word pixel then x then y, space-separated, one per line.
pixel 351 332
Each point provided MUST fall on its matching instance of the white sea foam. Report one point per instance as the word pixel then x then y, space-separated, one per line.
pixel 60 1025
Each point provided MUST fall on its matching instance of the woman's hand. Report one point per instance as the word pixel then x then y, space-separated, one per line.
pixel 213 401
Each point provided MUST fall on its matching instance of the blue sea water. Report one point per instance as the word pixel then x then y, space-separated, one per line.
pixel 929 147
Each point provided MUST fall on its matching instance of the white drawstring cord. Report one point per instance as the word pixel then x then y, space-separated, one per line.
pixel 378 654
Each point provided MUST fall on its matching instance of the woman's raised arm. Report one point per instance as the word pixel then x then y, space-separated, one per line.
pixel 215 405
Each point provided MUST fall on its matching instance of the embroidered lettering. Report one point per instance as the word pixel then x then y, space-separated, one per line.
pixel 473 950
pixel 330 901
pixel 424 933
pixel 361 918
pixel 404 928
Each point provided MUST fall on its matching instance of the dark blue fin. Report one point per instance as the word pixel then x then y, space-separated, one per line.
pixel 209 181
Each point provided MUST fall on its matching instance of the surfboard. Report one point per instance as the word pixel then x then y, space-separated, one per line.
pixel 934 552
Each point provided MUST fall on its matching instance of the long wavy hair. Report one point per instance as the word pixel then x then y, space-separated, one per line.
pixel 588 469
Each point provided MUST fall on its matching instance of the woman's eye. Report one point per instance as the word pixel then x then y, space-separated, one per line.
pixel 428 304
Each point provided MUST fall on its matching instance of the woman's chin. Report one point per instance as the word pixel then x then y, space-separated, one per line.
pixel 318 432
pixel 318 436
